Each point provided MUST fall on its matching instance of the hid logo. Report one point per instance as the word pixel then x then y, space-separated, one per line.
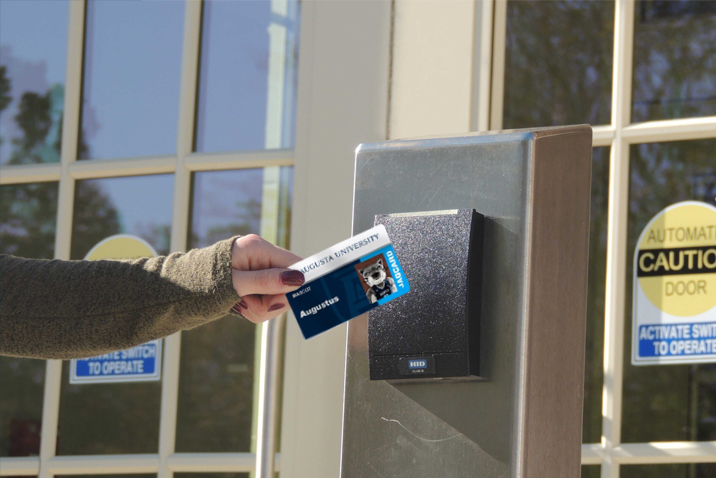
pixel 417 364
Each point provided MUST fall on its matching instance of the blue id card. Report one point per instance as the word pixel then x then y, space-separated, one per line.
pixel 347 280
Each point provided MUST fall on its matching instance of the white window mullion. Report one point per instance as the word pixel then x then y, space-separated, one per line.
pixel 70 127
pixel 592 454
pixel 102 464
pixel 665 453
pixel 180 224
pixel 602 135
pixel 50 415
pixel 482 68
pixel 19 466
pixel 269 333
pixel 268 400
pixel 111 168
pixel 261 158
pixel 30 173
pixel 671 130
pixel 63 232
pixel 617 236
pixel 215 462
pixel 262 416
pixel 134 464
pixel 499 28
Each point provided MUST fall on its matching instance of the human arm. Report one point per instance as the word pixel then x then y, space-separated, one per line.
pixel 72 309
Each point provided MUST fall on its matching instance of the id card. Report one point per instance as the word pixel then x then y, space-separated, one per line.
pixel 347 280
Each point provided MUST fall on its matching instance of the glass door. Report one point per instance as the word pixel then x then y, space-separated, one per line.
pixel 173 122
pixel 643 73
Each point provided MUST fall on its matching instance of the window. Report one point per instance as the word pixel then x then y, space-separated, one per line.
pixel 32 77
pixel 28 215
pixel 33 35
pixel 165 121
pixel 132 74
pixel 642 73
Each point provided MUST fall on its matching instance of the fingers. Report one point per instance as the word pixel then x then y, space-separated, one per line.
pixel 254 253
pixel 260 308
pixel 261 277
pixel 267 281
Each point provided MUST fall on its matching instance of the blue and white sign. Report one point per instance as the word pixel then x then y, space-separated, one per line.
pixel 142 363
pixel 674 316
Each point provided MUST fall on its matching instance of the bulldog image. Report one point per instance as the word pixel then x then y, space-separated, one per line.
pixel 380 285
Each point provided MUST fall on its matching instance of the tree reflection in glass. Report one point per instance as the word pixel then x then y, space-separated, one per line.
pixel 31 103
pixel 131 75
pixel 28 215
pixel 29 211
pixel 591 471
pixel 138 205
pixel 674 60
pixel 558 63
pixel 33 39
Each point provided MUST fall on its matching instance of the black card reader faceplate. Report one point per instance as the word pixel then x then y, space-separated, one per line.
pixel 441 255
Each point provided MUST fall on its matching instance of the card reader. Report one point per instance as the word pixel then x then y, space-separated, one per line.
pixel 434 331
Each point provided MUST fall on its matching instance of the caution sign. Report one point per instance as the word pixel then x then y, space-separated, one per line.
pixel 674 312
pixel 138 364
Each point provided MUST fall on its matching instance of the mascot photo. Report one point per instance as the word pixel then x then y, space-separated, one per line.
pixel 377 281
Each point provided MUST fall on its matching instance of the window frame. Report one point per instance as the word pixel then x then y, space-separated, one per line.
pixel 486 114
pixel 619 135
pixel 264 462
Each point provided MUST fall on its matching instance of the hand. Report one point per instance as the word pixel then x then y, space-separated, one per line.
pixel 261 277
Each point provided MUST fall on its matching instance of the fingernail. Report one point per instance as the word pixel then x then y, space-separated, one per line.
pixel 242 304
pixel 239 306
pixel 292 278
pixel 276 306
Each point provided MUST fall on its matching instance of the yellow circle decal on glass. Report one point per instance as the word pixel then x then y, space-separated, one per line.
pixel 121 246
pixel 674 314
pixel 676 259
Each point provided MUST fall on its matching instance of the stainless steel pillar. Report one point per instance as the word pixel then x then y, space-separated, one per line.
pixel 525 420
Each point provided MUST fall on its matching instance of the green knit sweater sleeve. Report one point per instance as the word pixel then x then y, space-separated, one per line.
pixel 73 309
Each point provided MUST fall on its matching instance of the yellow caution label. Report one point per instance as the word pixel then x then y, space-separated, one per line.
pixel 676 259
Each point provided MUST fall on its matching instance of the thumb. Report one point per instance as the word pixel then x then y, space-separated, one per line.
pixel 267 281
